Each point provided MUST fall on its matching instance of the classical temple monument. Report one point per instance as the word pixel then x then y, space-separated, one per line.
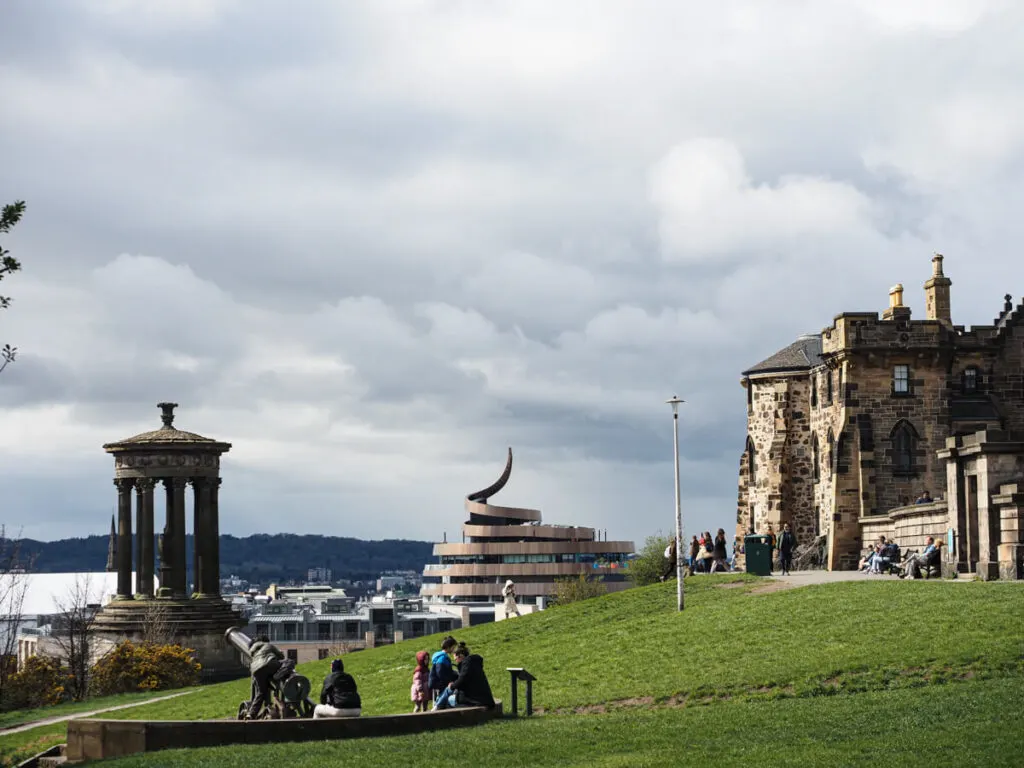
pixel 175 460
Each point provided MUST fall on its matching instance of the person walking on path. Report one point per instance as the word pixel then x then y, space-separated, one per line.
pixel 786 546
pixel 510 599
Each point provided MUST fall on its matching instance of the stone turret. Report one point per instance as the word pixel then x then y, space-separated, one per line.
pixel 936 294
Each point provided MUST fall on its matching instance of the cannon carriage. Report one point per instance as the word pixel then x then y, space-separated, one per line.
pixel 289 691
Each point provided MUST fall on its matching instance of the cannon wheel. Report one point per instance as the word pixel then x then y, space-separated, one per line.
pixel 243 710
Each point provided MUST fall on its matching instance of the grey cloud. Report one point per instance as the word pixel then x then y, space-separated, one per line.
pixel 377 249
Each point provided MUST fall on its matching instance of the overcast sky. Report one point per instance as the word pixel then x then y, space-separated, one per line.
pixel 374 244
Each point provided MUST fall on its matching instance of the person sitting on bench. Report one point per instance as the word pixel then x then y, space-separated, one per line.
pixel 339 696
pixel 927 559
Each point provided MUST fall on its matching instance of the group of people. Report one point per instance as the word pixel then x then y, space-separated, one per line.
pixel 445 685
pixel 884 557
pixel 708 555
pixel 435 681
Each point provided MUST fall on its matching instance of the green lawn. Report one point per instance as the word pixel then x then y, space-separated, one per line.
pixel 965 723
pixel 632 649
pixel 729 642
pixel 22 716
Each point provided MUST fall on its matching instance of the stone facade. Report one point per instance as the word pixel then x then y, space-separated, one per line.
pixel 847 427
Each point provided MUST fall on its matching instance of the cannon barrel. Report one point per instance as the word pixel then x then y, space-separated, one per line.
pixel 239 639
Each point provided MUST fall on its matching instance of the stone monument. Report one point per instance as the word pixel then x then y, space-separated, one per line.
pixel 196 618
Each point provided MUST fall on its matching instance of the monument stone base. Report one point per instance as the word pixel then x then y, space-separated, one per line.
pixel 198 623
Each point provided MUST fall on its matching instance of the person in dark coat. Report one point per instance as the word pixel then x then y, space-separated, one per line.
pixel 471 688
pixel 264 662
pixel 339 696
pixel 787 543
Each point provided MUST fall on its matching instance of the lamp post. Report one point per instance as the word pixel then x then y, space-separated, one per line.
pixel 675 402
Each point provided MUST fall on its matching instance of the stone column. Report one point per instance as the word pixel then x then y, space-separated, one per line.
pixel 124 538
pixel 174 546
pixel 212 550
pixel 200 525
pixel 144 568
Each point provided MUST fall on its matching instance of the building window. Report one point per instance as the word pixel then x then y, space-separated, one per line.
pixel 323 653
pixel 839 388
pixel 831 450
pixel 293 654
pixel 901 380
pixel 324 631
pixel 417 629
pixel 750 396
pixel 814 391
pixel 828 386
pixel 971 381
pixel 289 632
pixel 815 469
pixel 751 463
pixel 904 446
pixel 444 625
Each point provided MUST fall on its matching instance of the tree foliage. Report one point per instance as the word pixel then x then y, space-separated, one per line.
pixel 41 682
pixel 651 562
pixel 583 587
pixel 144 667
pixel 10 216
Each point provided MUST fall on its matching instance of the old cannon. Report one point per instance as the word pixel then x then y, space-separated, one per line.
pixel 289 691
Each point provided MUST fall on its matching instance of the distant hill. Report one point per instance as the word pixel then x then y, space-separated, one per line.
pixel 261 558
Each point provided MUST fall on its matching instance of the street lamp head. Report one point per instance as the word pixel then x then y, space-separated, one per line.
pixel 674 402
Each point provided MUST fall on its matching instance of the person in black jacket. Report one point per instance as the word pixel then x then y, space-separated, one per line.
pixel 786 546
pixel 339 696
pixel 471 689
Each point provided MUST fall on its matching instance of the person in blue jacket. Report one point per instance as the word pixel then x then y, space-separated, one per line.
pixel 441 671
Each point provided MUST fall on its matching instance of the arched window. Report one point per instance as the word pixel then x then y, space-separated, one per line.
pixel 831 450
pixel 814 391
pixel 751 463
pixel 839 387
pixel 815 468
pixel 904 445
pixel 828 386
pixel 971 381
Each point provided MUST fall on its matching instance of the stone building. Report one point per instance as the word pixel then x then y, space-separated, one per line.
pixel 847 427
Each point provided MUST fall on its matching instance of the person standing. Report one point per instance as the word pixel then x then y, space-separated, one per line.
pixel 719 552
pixel 670 560
pixel 510 599
pixel 420 692
pixel 786 546
pixel 772 546
pixel 264 662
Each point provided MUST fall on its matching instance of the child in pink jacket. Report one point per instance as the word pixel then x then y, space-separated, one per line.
pixel 419 692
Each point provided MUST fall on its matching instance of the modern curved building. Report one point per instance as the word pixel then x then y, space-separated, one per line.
pixel 502 543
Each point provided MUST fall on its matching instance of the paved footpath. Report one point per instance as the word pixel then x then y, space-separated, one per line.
pixel 76 715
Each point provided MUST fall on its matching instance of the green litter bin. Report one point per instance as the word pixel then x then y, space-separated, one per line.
pixel 758 552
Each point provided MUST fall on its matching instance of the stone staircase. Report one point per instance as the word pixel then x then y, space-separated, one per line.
pixel 50 758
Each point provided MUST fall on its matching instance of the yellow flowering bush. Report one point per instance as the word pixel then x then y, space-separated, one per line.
pixel 143 667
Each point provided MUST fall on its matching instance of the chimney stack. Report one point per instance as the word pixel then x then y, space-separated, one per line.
pixel 936 294
pixel 896 309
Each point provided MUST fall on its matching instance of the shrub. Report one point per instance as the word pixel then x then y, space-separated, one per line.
pixel 582 588
pixel 144 667
pixel 41 682
pixel 648 566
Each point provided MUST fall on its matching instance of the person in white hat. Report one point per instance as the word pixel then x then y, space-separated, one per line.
pixel 510 599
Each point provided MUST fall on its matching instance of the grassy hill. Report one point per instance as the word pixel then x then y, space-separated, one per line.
pixel 753 655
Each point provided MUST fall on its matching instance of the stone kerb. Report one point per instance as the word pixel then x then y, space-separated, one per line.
pixel 95 739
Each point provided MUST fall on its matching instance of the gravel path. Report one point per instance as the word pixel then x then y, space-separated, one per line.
pixel 76 715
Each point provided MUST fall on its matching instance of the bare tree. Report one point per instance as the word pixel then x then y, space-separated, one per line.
pixel 14 567
pixel 159 629
pixel 76 612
